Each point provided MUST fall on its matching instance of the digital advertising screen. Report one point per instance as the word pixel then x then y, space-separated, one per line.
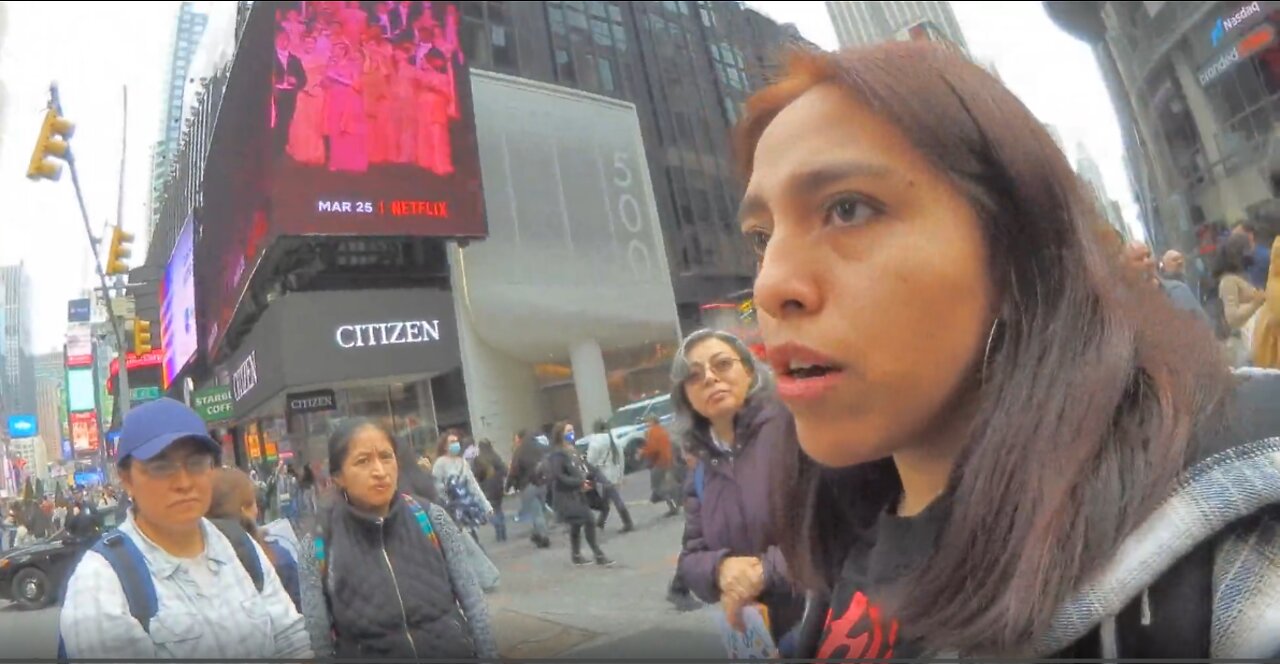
pixel 343 119
pixel 371 120
pixel 80 390
pixel 84 431
pixel 178 333
pixel 79 345
pixel 22 426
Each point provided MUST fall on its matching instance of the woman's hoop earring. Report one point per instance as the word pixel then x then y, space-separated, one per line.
pixel 986 355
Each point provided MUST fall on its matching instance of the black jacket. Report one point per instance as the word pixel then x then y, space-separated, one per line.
pixel 524 464
pixel 567 473
pixel 389 588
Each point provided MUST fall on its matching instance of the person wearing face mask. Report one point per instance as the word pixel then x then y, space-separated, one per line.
pixel 1009 446
pixel 569 477
pixel 168 583
pixel 728 418
pixel 394 566
pixel 457 483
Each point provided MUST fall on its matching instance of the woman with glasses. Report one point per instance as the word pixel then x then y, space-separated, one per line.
pixel 727 417
pixel 169 584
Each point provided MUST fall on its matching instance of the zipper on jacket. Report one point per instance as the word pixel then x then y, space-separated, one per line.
pixel 404 614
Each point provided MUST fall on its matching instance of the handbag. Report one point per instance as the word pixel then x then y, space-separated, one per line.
pixel 595 500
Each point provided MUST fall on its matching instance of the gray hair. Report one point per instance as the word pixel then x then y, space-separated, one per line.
pixel 692 429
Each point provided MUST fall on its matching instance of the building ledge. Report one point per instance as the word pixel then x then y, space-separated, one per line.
pixel 1082 20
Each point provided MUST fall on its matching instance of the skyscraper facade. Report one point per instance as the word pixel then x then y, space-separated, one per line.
pixel 49 400
pixel 1196 90
pixel 862 23
pixel 190 28
pixel 17 367
pixel 687 66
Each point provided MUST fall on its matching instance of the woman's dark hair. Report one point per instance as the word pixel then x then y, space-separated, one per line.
pixel 1083 407
pixel 1234 257
pixel 411 477
pixel 557 434
pixel 690 428
pixel 232 491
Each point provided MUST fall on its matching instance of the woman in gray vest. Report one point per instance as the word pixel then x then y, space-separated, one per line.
pixel 394 566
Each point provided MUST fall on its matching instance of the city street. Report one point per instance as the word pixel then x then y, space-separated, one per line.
pixel 545 607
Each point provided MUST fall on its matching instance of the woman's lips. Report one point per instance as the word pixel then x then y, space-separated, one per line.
pixel 803 373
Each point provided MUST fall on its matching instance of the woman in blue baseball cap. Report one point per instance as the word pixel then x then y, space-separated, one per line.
pixel 168 583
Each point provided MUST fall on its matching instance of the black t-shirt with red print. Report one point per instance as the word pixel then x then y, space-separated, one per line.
pixel 856 628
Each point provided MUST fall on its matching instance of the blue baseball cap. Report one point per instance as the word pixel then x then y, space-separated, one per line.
pixel 151 428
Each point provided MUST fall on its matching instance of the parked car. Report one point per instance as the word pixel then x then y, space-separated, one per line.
pixel 628 426
pixel 35 576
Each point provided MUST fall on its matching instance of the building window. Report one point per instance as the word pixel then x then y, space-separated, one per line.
pixel 475 43
pixel 606 74
pixel 615 13
pixel 596 9
pixel 564 67
pixel 504 48
pixel 574 17
pixel 619 38
pixel 730 109
pixel 556 16
pixel 600 33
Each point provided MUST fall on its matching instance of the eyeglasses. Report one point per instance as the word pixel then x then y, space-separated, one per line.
pixel 196 464
pixel 719 367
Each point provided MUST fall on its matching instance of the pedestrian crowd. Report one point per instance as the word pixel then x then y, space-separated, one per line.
pixel 982 425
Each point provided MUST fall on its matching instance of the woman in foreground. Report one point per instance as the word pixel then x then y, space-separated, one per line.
pixel 1006 446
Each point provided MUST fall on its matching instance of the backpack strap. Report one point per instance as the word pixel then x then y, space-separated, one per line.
pixel 242 542
pixel 700 478
pixel 424 522
pixel 130 566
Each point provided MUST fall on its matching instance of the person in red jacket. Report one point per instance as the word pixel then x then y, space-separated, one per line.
pixel 658 453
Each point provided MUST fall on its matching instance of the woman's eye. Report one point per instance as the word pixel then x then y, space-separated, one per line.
pixel 758 240
pixel 849 210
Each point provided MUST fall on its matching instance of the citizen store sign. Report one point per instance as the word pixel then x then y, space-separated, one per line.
pixel 323 339
pixel 361 335
pixel 312 402
pixel 245 378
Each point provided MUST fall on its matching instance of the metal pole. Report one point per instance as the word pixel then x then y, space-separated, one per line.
pixel 97 261
pixel 124 146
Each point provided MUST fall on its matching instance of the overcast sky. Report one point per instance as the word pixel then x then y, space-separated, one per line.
pixel 105 46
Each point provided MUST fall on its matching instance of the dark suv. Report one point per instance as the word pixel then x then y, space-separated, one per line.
pixel 34 576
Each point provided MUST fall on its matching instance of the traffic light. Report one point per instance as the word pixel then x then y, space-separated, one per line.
pixel 141 336
pixel 118 251
pixel 48 144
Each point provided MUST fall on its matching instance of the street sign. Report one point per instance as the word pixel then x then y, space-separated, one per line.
pixel 214 403
pixel 124 307
pixel 79 310
pixel 143 394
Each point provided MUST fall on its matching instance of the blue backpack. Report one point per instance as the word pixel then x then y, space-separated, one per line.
pixel 130 566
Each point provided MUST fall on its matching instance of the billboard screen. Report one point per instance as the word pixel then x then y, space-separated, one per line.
pixel 79 345
pixel 80 310
pixel 22 426
pixel 349 119
pixel 371 120
pixel 178 305
pixel 80 390
pixel 84 431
